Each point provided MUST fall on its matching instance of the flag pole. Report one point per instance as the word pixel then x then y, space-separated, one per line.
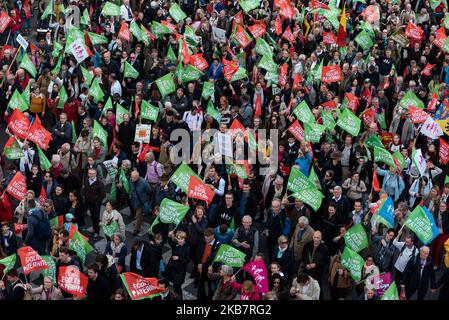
pixel 240 269
pixel 13 60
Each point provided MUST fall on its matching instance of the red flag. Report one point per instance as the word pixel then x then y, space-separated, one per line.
pixel 39 135
pixel 417 115
pixel 170 26
pixel 376 185
pixel 368 116
pixel 4 21
pixel 229 68
pixel 318 5
pixel 198 190
pixel 259 273
pixel 143 152
pixel 414 32
pixel 329 105
pixel 278 25
pixel 17 187
pixel 440 37
pixel 433 103
pixel 329 38
pixel 19 228
pixel 241 37
pixel 427 69
pixel 258 29
pixel 287 11
pixel 73 281
pixel 139 287
pixel 341 35
pixel 238 18
pixel 19 124
pixel 288 35
pixel 198 61
pixel 366 96
pixel 353 101
pixel 136 109
pixel 124 32
pixel 297 131
pixel 331 74
pixel 282 74
pixel 72 231
pixel 371 13
pixel 27 9
pixel 7 212
pixel 236 127
pixel 185 53
pixel 31 260
pixel 444 151
pixel 12 50
pixel 43 197
pixel 258 106
pixel 296 81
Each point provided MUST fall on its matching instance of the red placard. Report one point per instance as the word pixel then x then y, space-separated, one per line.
pixel 71 280
pixel 31 260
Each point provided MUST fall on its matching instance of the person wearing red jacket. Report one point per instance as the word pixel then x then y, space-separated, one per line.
pixel 15 24
pixel 71 109
pixel 6 213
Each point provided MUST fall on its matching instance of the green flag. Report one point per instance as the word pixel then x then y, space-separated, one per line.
pixel 252 142
pixel 446 180
pixel 88 77
pixel 45 164
pixel 446 22
pixel 382 155
pixel 96 91
pixel 310 195
pixel 391 293
pixel 51 271
pixel 190 73
pixel 96 39
pixel 364 40
pixel 410 99
pixel 166 85
pixel 56 222
pixel 107 106
pixel 267 63
pixel 171 54
pixel 353 262
pixel 349 122
pixel 159 29
pixel 110 229
pixel 328 120
pixel 208 89
pixel 153 224
pixel 13 151
pixel 176 12
pixel 113 192
pixel 298 181
pixel 110 9
pixel 80 246
pixel 17 101
pixel 263 48
pixel 85 19
pixel 172 211
pixel 56 49
pixel 356 238
pixel 240 74
pixel 303 113
pixel 28 65
pixel 62 97
pixel 191 38
pixel 313 132
pixel 129 71
pixel 136 31
pixel 381 119
pixel 8 262
pixel 74 137
pixel 373 141
pixel 120 112
pixel 99 132
pixel 124 180
pixel 248 5
pixel 238 170
pixel 434 4
pixel 423 224
pixel 26 94
pixel 214 113
pixel 56 69
pixel 48 10
pixel 181 177
pixel 400 158
pixel 148 111
pixel 230 256
pixel 313 177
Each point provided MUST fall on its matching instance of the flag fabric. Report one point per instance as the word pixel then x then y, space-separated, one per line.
pixel 422 223
pixel 297 131
pixel 190 73
pixel 44 163
pixel 177 13
pixel 381 283
pixel 241 36
pixel 8 262
pixel 99 132
pixel 356 238
pixel 386 213
pixel 159 29
pixel 42 197
pixel 28 65
pixel 63 97
pixel 148 111
pixel 181 177
pixel 123 180
pixel 139 287
pixel 431 129
pixel 19 228
pixel 96 91
pixel 214 113
pixel 410 99
pixel 5 20
pixel 419 161
pixel 17 187
pixel 51 271
pixel 230 256
pixel 170 212
pixel 263 48
pixel 257 106
pixel 443 151
pixel 124 32
pixel 341 35
pixel 80 245
pixel 391 293
pixel 349 122
pixel 350 101
pixel 229 68
pixel 258 271
pixel 19 124
pixel 96 39
pixel 414 32
pixel 258 29
pixel 57 222
pixel 12 149
pixel 198 61
pixel 39 135
pixel 48 10
pixel 110 229
pixel 353 262
pixel 248 5
pixel 110 9
pixel 73 281
pixel 198 190
pixel 331 74
pixel 376 185
pixel 313 132
pixel 303 113
pixel 417 115
pixel 31 260
pixel 383 155
pixel 166 85
pixel 85 18
pixel 364 40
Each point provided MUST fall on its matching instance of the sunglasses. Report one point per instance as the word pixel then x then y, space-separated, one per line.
pixel 284 242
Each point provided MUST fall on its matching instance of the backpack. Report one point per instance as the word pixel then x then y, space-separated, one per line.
pixel 43 229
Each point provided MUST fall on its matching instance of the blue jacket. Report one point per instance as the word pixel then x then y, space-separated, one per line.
pixel 32 238
pixel 392 181
pixel 217 74
pixel 139 193
pixel 223 238
pixel 304 163
pixel 52 188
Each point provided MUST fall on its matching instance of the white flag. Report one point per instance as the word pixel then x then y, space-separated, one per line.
pixel 420 162
pixel 79 51
pixel 431 129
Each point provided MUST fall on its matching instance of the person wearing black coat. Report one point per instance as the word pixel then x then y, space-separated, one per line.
pixel 285 257
pixel 15 290
pixel 8 240
pixel 341 203
pixel 108 270
pixel 164 190
pixel 98 288
pixel 61 203
pixel 246 201
pixel 177 265
pixel 147 265
pixel 417 274
pixel 330 226
pixel 276 221
pixel 68 182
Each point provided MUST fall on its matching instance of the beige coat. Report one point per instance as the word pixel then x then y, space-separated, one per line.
pixel 66 158
pixel 298 246
pixel 311 292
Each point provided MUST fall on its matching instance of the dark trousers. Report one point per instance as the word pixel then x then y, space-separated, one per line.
pixel 204 282
pixel 94 209
pixel 421 293
pixel 398 278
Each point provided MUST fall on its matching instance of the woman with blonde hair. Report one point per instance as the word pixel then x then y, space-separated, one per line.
pixel 248 291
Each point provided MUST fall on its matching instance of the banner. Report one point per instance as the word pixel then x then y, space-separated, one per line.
pixel 129 71
pixel 303 113
pixel 414 32
pixel 431 129
pixel 349 122
pixel 19 124
pixel 100 133
pixel 443 151
pixel 219 35
pixel 78 50
pixel 139 287
pixel 198 190
pixel 39 135
pixel 421 222
pixel 382 155
pixel 410 99
pixel 143 133
pixel 381 282
pixel 181 177
pixel 331 74
pixel 166 85
pixel 73 281
pixel 110 9
pixel 110 229
pixel 124 32
pixel 391 293
pixel 356 238
pixel 297 131
pixel 313 132
pixel 258 29
pixel 259 273
pixel 417 115
pixel 18 101
pixel 386 213
pixel 171 211
pixel 8 262
pixel 419 161
pixel 80 245
pixel 353 262
pixel 177 13
pixel 51 271
pixel 12 149
pixel 17 187
pixel 4 21
pixel 31 260
pixel 230 256
pixel 248 5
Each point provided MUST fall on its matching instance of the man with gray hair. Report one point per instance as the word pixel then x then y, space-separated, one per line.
pixel 341 203
pixel 417 274
pixel 155 170
pixel 68 159
pixel 246 238
pixel 303 234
